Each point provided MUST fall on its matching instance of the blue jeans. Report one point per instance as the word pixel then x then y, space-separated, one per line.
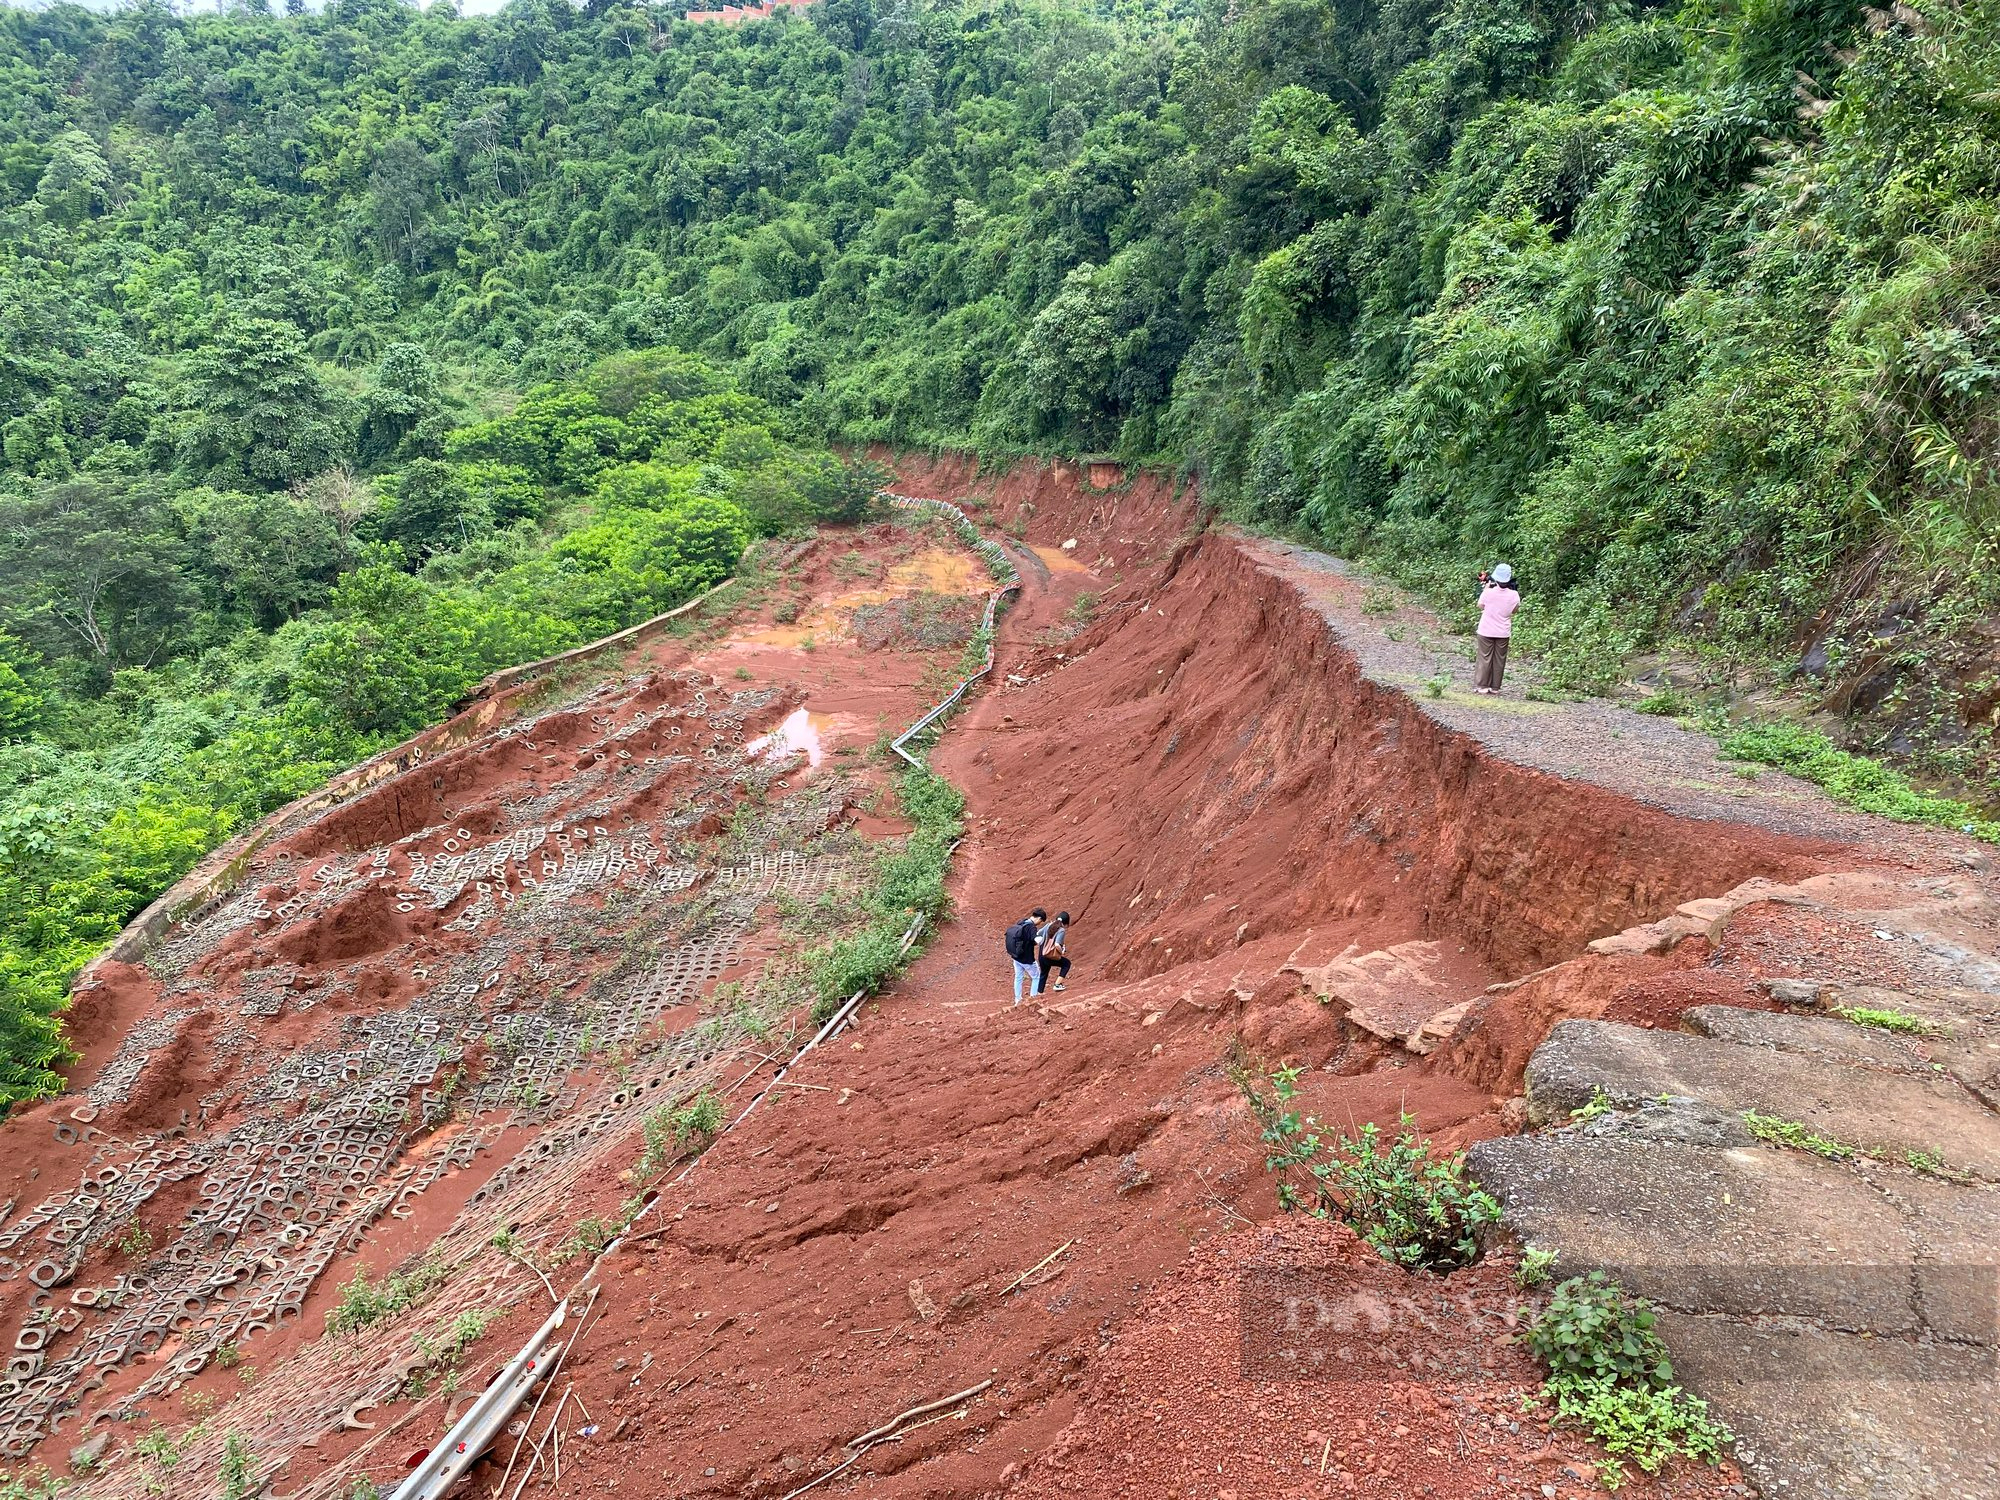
pixel 1027 974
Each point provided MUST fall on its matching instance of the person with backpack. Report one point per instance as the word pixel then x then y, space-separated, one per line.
pixel 1053 956
pixel 1023 943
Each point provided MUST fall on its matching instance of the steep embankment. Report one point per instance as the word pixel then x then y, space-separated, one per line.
pixel 1205 750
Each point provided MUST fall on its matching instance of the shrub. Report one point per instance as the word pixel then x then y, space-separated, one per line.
pixel 364 1301
pixel 691 1124
pixel 1608 1372
pixel 1415 1209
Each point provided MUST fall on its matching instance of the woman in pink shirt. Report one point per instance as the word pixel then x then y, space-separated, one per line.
pixel 1498 599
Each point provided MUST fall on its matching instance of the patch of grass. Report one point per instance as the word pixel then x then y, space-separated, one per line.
pixel 1378 600
pixel 40 1485
pixel 365 1301
pixel 1535 1266
pixel 1933 1165
pixel 1853 779
pixel 1417 1210
pixel 1901 1022
pixel 1608 1372
pixel 1775 1130
pixel 908 881
pixel 441 1355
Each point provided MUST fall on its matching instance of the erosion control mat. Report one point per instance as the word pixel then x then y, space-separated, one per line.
pixel 967 1247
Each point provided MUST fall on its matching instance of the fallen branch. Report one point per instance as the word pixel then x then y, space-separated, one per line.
pixel 917 1411
pixel 1037 1266
pixel 701 1356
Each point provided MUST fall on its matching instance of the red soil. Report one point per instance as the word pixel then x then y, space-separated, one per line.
pixel 1201 776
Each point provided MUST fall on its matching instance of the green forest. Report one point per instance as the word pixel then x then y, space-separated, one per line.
pixel 347 354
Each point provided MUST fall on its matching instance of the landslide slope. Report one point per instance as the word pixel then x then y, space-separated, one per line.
pixel 1209 752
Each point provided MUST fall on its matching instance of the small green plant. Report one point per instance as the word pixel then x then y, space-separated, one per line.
pixel 40 1485
pixel 135 1240
pixel 742 674
pixel 365 1489
pixel 364 1301
pixel 239 1468
pixel 229 1356
pixel 1608 1372
pixel 1897 1021
pixel 159 1448
pixel 590 1236
pixel 1434 687
pixel 1416 1210
pixel 529 1094
pixel 1535 1266
pixel 1933 1165
pixel 1667 703
pixel 1777 1131
pixel 1599 1103
pixel 669 1132
pixel 504 1241
pixel 1379 601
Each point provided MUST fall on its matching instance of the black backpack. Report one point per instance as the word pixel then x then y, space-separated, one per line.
pixel 1021 941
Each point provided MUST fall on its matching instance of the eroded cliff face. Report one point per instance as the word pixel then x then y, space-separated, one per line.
pixel 1271 856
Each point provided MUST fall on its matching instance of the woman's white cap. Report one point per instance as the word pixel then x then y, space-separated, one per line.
pixel 1502 573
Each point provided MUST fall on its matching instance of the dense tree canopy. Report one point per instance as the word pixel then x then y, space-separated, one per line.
pixel 1685 310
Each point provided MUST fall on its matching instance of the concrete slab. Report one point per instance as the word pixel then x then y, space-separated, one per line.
pixel 1749 1231
pixel 1810 1036
pixel 1874 1110
pixel 1840 1416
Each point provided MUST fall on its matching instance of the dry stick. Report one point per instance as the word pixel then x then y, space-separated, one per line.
pixel 1323 1453
pixel 816 1483
pixel 704 1353
pixel 786 1083
pixel 534 1463
pixel 1037 1266
pixel 917 1411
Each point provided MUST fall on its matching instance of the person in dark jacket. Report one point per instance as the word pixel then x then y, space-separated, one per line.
pixel 1023 941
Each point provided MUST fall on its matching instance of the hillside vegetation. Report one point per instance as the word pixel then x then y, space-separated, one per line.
pixel 1686 312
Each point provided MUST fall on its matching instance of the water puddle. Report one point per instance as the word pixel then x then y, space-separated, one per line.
pixel 800 731
pixel 1059 561
pixel 939 572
